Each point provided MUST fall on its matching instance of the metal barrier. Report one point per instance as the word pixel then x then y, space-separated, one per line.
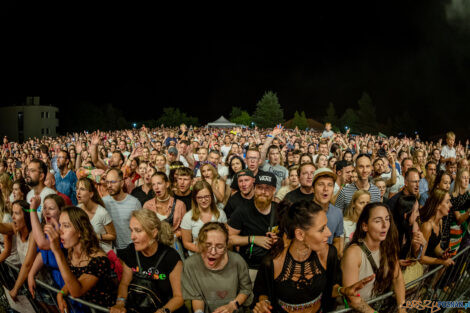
pixel 438 284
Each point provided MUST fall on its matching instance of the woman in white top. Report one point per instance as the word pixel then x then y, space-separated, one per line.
pixel 7 241
pixel 90 201
pixel 352 213
pixel 203 211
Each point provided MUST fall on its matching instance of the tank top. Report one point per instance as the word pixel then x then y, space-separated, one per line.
pixel 366 270
pixel 434 240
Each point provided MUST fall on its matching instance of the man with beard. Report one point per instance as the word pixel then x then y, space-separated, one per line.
pixel 120 206
pixel 183 185
pixel 65 179
pixel 254 228
pixel 36 173
pixel 305 191
pixel 242 198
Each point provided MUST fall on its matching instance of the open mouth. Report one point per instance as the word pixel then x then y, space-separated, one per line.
pixel 383 234
pixel 211 261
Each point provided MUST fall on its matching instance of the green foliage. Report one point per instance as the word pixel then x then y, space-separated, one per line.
pixel 243 119
pixel 350 119
pixel 300 120
pixel 367 119
pixel 174 117
pixel 331 116
pixel 268 111
pixel 92 117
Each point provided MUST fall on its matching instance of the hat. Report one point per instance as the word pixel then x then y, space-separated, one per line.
pixel 322 172
pixel 266 178
pixel 245 172
pixel 173 150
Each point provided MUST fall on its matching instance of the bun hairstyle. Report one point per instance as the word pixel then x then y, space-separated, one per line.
pixel 149 221
pixel 300 214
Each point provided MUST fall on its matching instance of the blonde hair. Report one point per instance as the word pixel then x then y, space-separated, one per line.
pixel 215 174
pixel 450 135
pixel 149 221
pixel 7 184
pixel 458 184
pixel 349 212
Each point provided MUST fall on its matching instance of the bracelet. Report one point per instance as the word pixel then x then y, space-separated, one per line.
pixel 270 136
pixel 199 311
pixel 121 299
pixel 62 292
pixel 31 210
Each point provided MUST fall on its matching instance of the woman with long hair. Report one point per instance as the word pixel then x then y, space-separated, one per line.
pixel 373 250
pixel 86 269
pixel 203 211
pixel 213 268
pixel 410 238
pixel 431 215
pixel 358 201
pixel 442 181
pixel 6 185
pixel 90 201
pixel 150 263
pixel 164 204
pixel 209 174
pixel 302 272
pixel 460 212
pixel 235 165
pixel 19 190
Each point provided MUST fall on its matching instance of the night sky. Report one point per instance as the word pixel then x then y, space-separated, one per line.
pixel 407 56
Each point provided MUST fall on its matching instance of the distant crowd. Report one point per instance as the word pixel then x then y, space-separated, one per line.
pixel 221 220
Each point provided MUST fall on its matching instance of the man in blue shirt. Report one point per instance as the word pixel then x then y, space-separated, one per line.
pixel 65 178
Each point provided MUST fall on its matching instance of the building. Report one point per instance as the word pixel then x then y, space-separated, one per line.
pixel 30 120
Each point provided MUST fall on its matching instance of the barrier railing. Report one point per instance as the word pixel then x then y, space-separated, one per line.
pixel 438 284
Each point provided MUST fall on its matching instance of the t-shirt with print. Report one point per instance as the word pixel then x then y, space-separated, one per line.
pixel 161 275
pixel 279 171
pixel 250 222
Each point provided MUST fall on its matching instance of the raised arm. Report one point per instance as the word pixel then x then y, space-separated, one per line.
pixel 95 140
pixel 38 234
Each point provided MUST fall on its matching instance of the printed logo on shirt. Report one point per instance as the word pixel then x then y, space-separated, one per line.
pixel 152 272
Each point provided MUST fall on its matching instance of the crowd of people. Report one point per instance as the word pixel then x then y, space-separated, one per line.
pixel 221 220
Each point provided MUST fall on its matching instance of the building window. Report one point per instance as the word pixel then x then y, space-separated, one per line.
pixel 42 114
pixel 47 131
pixel 42 131
pixel 47 114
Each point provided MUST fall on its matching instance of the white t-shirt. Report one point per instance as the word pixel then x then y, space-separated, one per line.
pixel 99 221
pixel 13 258
pixel 349 228
pixel 447 153
pixel 225 150
pixel 44 193
pixel 398 184
pixel 195 226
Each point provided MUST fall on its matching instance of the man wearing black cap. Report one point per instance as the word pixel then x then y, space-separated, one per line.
pixel 254 227
pixel 242 198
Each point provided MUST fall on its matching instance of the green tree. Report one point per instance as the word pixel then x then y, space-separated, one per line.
pixel 331 116
pixel 243 119
pixel 236 112
pixel 300 120
pixel 367 118
pixel 349 119
pixel 174 117
pixel 268 111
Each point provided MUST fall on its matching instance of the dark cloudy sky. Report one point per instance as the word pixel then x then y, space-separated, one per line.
pixel 408 55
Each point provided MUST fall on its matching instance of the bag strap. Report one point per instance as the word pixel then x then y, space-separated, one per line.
pixel 369 257
pixel 158 260
pixel 169 219
pixel 272 217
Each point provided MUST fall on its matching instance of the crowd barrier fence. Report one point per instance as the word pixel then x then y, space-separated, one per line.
pixel 437 284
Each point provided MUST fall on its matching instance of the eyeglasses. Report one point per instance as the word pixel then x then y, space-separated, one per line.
pixel 206 197
pixel 219 249
pixel 109 182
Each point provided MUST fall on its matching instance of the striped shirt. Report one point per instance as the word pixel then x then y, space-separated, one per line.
pixel 346 194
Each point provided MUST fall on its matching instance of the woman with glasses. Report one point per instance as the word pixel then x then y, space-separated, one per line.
pixel 215 279
pixel 203 211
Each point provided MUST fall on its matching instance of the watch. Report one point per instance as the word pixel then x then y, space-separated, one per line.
pixel 166 310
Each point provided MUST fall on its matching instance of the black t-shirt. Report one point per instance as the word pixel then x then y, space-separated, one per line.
pixel 251 222
pixel 161 275
pixel 297 195
pixel 234 202
pixel 234 184
pixel 186 200
pixel 141 195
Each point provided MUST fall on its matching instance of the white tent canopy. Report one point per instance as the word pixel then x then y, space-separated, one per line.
pixel 221 122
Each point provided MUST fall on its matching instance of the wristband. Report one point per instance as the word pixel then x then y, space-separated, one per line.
pixel 62 292
pixel 121 299
pixel 31 210
pixel 270 136
pixel 199 311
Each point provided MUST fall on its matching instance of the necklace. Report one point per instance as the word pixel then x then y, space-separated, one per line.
pixel 164 200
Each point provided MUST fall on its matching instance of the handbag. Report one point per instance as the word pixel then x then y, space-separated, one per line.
pixel 141 297
pixel 413 272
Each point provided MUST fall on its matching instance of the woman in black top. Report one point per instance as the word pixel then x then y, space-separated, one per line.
pixel 302 274
pixel 142 258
